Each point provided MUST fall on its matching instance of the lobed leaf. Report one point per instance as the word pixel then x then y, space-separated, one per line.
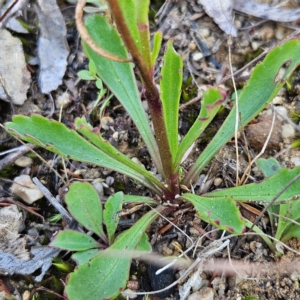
pixel 263 85
pixel 221 212
pixel 119 78
pixel 170 90
pixel 85 206
pixel 73 241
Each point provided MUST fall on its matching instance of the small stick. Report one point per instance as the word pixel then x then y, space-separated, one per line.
pixel 262 150
pixel 291 36
pixel 237 182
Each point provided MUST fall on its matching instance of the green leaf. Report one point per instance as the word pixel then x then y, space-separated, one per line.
pixel 85 75
pixel 262 87
pixel 291 231
pixel 56 137
pixel 212 100
pixel 92 68
pixel 221 212
pixel 73 241
pixel 110 215
pixel 95 137
pixel 139 199
pixel 119 78
pixel 268 166
pixel 264 191
pixel 170 90
pixel 106 275
pixel 289 210
pixel 83 257
pixel 157 39
pixel 85 206
pixel 135 13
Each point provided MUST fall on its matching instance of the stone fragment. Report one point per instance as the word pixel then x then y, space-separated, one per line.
pixel 205 293
pixel 288 131
pixel 26 189
pixel 295 161
pixel 258 133
pixel 23 161
pixel 278 100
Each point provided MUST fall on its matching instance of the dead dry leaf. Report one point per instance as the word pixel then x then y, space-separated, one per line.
pixel 267 12
pixel 221 12
pixel 53 49
pixel 10 241
pixel 14 76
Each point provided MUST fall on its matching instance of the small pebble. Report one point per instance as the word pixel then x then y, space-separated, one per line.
pixel 23 161
pixel 129 294
pixel 136 160
pixel 288 131
pixel 197 56
pixel 98 187
pixel 26 295
pixel 107 122
pixel 295 276
pixel 205 293
pixel 255 45
pixel 132 284
pixel 280 33
pixel 167 251
pixel 258 133
pixel 204 32
pixel 192 46
pixel 295 161
pixel 278 100
pixel 116 136
pixel 218 181
pixel 282 112
pixel 109 180
pixel 26 189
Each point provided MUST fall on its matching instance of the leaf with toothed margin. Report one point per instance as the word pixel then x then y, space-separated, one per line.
pixel 56 137
pixel 105 275
pixel 265 82
pixel 221 212
pixel 94 136
pixel 265 190
pixel 212 100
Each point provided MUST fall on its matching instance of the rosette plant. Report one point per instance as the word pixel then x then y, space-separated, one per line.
pixel 118 43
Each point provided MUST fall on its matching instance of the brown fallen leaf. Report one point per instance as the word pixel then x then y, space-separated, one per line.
pixel 221 12
pixel 53 48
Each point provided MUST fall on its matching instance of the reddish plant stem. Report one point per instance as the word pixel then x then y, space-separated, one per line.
pixel 153 99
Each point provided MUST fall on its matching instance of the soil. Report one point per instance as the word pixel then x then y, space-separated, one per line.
pixel 204 48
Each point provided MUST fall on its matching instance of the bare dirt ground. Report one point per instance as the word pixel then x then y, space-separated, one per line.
pixel 204 48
